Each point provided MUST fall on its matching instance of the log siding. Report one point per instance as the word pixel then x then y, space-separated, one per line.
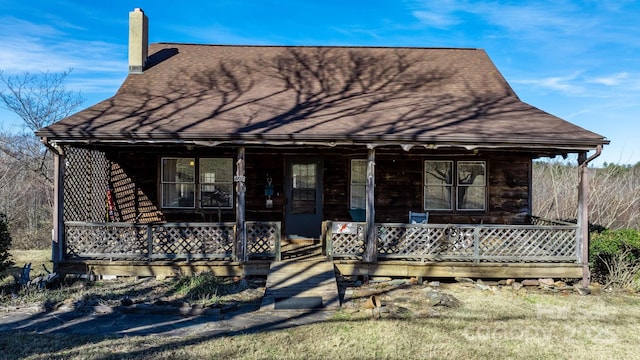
pixel 134 178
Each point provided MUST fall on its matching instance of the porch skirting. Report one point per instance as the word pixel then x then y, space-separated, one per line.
pixel 391 268
pixel 460 269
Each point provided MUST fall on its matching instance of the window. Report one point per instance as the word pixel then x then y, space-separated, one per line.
pixel 212 188
pixel 216 182
pixel 471 185
pixel 358 184
pixel 460 182
pixel 438 185
pixel 303 197
pixel 178 187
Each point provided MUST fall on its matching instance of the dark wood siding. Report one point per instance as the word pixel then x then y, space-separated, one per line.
pixel 509 186
pixel 259 166
pixel 399 188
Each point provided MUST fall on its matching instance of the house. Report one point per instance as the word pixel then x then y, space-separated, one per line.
pixel 213 157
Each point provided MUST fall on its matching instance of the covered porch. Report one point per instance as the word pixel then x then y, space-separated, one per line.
pixel 114 217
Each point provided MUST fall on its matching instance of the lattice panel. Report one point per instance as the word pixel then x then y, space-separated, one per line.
pixel 424 241
pixel 193 240
pixel 535 220
pixel 85 184
pixel 458 241
pixel 406 240
pixel 465 242
pixel 523 243
pixel 348 244
pixel 262 238
pixel 106 240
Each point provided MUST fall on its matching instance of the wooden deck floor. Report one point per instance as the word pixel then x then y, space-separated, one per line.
pixel 301 285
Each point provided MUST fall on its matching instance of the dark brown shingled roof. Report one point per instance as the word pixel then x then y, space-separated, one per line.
pixel 211 94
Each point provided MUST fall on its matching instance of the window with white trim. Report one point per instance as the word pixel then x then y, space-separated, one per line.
pixel 358 184
pixel 216 183
pixel 211 188
pixel 438 185
pixel 462 183
pixel 471 182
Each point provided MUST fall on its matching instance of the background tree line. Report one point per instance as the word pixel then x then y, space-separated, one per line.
pixel 614 193
pixel 26 166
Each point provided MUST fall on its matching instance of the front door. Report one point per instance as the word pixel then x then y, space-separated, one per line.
pixel 303 218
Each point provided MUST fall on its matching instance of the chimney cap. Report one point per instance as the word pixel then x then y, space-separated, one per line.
pixel 138 9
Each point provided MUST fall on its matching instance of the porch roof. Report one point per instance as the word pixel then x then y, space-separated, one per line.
pixel 212 94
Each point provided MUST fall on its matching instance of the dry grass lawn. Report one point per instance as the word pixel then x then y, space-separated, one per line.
pixel 487 325
pixel 36 258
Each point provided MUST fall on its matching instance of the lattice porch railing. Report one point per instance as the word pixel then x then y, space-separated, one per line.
pixel 167 240
pixel 263 239
pixel 536 220
pixel 192 240
pixel 97 240
pixel 438 242
pixel 345 239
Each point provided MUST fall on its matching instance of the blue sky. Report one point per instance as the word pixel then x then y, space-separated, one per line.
pixel 579 60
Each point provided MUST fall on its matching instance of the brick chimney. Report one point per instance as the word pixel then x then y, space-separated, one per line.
pixel 138 41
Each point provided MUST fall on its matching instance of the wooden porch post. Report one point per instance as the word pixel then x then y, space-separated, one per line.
pixel 57 236
pixel 239 179
pixel 583 217
pixel 370 251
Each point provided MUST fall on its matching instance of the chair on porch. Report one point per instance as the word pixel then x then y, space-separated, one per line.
pixel 415 237
pixel 418 217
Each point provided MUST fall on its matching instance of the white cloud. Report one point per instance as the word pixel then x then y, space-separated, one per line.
pixel 29 47
pixel 536 21
pixel 561 27
pixel 564 84
pixel 611 80
pixel 440 20
pixel 621 87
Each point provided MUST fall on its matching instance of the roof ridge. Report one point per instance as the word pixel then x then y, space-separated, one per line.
pixel 320 46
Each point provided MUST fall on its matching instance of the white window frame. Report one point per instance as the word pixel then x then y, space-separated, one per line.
pixel 175 183
pixel 449 186
pixel 355 183
pixel 483 185
pixel 196 184
pixel 454 185
pixel 216 183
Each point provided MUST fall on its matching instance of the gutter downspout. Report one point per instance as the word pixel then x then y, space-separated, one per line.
pixel 583 212
pixel 57 233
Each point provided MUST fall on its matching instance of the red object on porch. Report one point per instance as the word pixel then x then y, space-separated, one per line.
pixel 111 206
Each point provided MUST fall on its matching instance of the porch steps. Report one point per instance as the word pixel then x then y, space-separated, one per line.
pixel 301 285
pixel 301 251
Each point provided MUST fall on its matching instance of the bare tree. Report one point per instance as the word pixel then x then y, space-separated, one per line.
pixel 614 193
pixel 555 191
pixel 39 99
pixel 25 164
pixel 615 196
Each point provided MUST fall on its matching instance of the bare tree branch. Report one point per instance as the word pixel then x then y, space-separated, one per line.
pixel 614 193
pixel 26 181
pixel 38 99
